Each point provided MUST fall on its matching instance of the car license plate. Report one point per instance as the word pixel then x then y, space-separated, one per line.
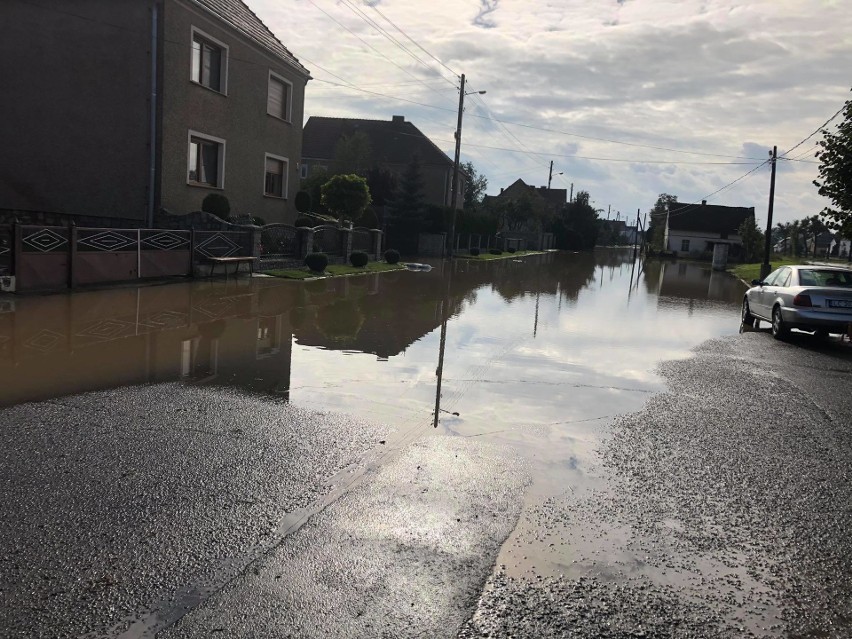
pixel 840 303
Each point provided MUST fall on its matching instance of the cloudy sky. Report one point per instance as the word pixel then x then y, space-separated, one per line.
pixel 594 86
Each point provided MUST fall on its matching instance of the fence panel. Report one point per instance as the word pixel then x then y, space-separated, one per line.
pixel 42 257
pixel 164 253
pixel 362 240
pixel 327 240
pixel 6 242
pixel 105 255
pixel 222 243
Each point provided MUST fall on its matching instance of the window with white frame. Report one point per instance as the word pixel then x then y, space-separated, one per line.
pixel 206 160
pixel 209 62
pixel 279 97
pixel 684 245
pixel 275 179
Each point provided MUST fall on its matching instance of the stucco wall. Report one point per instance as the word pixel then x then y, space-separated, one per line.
pixel 240 118
pixel 697 241
pixel 75 126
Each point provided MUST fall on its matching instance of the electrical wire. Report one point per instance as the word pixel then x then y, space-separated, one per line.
pixel 717 191
pixel 817 130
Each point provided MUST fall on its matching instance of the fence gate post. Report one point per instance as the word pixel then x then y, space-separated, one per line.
pixel 138 253
pixel 72 253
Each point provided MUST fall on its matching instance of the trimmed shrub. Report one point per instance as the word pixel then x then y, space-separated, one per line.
pixel 303 202
pixel 316 262
pixel 304 221
pixel 474 251
pixel 496 252
pixel 392 256
pixel 217 204
pixel 512 250
pixel 359 258
pixel 258 221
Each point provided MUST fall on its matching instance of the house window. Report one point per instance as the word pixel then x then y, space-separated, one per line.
pixel 684 246
pixel 303 168
pixel 275 179
pixel 209 62
pixel 206 166
pixel 278 97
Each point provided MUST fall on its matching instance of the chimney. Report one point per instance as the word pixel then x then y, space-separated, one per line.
pixel 501 190
pixel 398 119
pixel 703 202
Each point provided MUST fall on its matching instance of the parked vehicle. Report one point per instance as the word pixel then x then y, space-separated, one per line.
pixel 809 298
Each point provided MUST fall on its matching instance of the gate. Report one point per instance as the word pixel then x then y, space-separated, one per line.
pixel 362 240
pixel 279 246
pixel 327 240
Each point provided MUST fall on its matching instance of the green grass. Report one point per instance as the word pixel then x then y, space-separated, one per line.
pixel 749 272
pixel 334 270
pixel 485 255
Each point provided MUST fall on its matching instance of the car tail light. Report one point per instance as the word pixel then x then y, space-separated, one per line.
pixel 802 300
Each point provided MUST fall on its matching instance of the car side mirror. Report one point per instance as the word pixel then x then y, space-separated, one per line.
pixel 756 283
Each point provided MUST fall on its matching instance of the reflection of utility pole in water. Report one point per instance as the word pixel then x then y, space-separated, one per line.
pixel 439 372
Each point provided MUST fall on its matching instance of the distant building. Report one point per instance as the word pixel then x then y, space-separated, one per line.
pixel 117 109
pixel 697 228
pixel 549 198
pixel 392 146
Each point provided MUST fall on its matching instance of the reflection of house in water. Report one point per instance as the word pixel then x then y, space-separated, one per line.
pixel 679 283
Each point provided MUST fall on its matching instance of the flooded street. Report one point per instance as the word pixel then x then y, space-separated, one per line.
pixel 215 446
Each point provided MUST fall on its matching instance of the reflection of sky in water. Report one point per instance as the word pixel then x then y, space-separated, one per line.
pixel 517 378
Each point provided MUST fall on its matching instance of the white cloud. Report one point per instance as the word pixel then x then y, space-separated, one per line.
pixel 728 77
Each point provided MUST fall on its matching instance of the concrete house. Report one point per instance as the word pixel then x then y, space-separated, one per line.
pixel 118 109
pixel 392 145
pixel 551 199
pixel 697 228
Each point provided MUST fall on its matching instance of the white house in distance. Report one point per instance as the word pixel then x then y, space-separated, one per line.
pixel 697 228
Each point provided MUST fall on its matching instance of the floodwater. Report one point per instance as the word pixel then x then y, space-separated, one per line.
pixel 538 352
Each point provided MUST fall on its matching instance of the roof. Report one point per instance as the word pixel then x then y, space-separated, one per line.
pixel 555 197
pixel 392 141
pixel 237 14
pixel 708 218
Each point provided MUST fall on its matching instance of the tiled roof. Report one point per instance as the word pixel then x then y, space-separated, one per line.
pixel 708 218
pixel 237 14
pixel 391 141
pixel 554 197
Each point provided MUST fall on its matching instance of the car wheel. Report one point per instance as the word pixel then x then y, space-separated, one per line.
pixel 747 317
pixel 779 329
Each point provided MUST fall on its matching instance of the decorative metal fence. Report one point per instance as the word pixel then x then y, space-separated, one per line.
pixel 279 246
pixel 362 240
pixel 6 242
pixel 327 240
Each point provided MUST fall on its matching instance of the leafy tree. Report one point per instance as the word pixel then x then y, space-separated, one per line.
pixel 382 185
pixel 658 219
pixel 577 224
pixel 816 227
pixel 753 239
pixel 352 154
pixel 313 186
pixel 835 173
pixel 346 196
pixel 303 202
pixel 474 188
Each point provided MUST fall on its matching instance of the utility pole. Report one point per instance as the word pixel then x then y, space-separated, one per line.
pixel 550 175
pixel 571 197
pixel 766 267
pixel 608 210
pixel 454 198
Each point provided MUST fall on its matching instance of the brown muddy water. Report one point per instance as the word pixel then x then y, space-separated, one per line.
pixel 539 353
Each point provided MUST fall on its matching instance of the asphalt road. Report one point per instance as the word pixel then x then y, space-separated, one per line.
pixel 723 510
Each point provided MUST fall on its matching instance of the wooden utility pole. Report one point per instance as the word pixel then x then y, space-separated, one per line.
pixel 550 175
pixel 766 267
pixel 455 195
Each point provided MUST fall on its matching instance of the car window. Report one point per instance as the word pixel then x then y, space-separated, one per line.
pixel 770 279
pixel 817 277
pixel 784 278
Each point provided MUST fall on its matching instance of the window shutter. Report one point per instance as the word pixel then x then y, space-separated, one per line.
pixel 277 99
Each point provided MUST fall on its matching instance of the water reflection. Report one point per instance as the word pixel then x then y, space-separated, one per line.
pixel 519 334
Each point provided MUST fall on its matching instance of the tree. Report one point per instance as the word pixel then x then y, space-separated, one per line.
pixel 577 224
pixel 474 188
pixel 752 238
pixel 346 196
pixel 835 173
pixel 352 154
pixel 313 186
pixel 407 208
pixel 658 215
pixel 382 185
pixel 816 227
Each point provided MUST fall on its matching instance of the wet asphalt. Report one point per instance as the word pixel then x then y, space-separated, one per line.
pixel 722 509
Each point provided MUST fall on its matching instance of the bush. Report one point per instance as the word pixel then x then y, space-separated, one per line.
pixel 303 202
pixel 303 221
pixel 359 258
pixel 496 252
pixel 217 204
pixel 392 256
pixel 474 251
pixel 258 221
pixel 512 250
pixel 316 262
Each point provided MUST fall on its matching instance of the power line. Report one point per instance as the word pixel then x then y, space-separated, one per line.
pixel 818 129
pixel 727 186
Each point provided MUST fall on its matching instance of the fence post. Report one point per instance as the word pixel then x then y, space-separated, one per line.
pixel 377 243
pixel 16 253
pixel 346 243
pixel 192 251
pixel 138 253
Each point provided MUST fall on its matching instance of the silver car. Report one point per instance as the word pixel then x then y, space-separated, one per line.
pixel 809 298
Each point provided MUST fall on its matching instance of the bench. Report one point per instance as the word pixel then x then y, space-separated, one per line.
pixel 215 261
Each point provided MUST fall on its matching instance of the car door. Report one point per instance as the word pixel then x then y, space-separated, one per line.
pixel 762 296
